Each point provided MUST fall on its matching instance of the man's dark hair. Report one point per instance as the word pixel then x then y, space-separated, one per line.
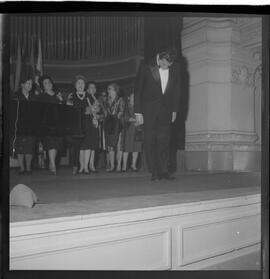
pixel 168 53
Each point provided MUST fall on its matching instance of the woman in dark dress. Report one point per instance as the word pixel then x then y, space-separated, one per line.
pixel 80 145
pixel 96 116
pixel 24 144
pixel 51 143
pixel 129 141
pixel 102 152
pixel 113 125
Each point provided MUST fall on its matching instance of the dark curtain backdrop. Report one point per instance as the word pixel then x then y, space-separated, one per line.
pixel 77 37
pixel 160 31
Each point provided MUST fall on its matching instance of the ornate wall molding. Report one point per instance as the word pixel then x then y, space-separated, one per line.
pixel 242 75
pixel 221 141
pixel 222 147
pixel 221 137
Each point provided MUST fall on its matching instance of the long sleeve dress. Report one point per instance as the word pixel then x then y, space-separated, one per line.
pixel 24 139
pixel 82 139
pixel 53 139
pixel 113 122
pixel 129 143
pixel 94 125
pixel 86 120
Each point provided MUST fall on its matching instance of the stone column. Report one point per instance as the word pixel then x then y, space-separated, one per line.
pixel 220 129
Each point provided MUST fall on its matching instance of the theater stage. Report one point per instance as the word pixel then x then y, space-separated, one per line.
pixel 125 221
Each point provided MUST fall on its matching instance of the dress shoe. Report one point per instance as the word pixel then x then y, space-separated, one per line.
pixel 93 170
pixel 167 176
pixel 80 172
pixel 155 178
pixel 74 170
pixel 134 169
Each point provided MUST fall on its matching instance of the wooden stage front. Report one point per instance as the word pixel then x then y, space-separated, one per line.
pixel 125 221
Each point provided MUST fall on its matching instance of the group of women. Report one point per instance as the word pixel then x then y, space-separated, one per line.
pixel 110 127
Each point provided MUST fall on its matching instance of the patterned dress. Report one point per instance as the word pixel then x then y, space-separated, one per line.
pixel 94 125
pixel 113 122
pixel 129 143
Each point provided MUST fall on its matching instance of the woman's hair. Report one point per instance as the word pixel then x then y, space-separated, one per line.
pixel 116 87
pixel 24 79
pixel 91 82
pixel 78 77
pixel 42 78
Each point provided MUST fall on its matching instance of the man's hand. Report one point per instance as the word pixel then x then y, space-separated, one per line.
pixel 139 118
pixel 173 116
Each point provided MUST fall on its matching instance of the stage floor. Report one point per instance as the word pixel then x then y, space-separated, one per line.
pixel 67 195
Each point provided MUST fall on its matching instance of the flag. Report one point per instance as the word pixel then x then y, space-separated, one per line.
pixel 39 66
pixel 26 69
pixel 18 67
pixel 11 78
pixel 32 60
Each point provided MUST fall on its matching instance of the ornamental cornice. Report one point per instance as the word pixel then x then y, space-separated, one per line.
pixel 251 37
pixel 224 147
pixel 242 22
pixel 194 23
pixel 221 137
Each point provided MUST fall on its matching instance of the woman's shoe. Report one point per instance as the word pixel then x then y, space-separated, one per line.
pixel 109 170
pixel 93 170
pixel 118 169
pixel 134 169
pixel 74 170
pixel 21 172
pixel 80 171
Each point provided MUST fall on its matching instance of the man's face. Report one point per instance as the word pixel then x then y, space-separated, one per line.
pixel 164 64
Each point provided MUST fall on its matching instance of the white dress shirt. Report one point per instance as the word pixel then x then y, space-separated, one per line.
pixel 164 75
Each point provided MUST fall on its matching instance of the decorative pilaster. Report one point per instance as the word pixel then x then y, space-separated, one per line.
pixel 221 126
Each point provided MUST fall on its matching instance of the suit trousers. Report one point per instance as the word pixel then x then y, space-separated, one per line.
pixel 157 140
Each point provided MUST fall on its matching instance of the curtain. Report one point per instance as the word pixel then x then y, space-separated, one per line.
pixel 161 31
pixel 78 37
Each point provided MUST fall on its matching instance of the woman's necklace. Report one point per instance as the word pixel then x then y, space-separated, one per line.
pixel 80 95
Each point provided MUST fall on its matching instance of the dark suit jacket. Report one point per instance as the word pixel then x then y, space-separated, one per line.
pixel 148 92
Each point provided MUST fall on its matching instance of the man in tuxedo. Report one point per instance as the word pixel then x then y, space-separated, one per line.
pixel 157 92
